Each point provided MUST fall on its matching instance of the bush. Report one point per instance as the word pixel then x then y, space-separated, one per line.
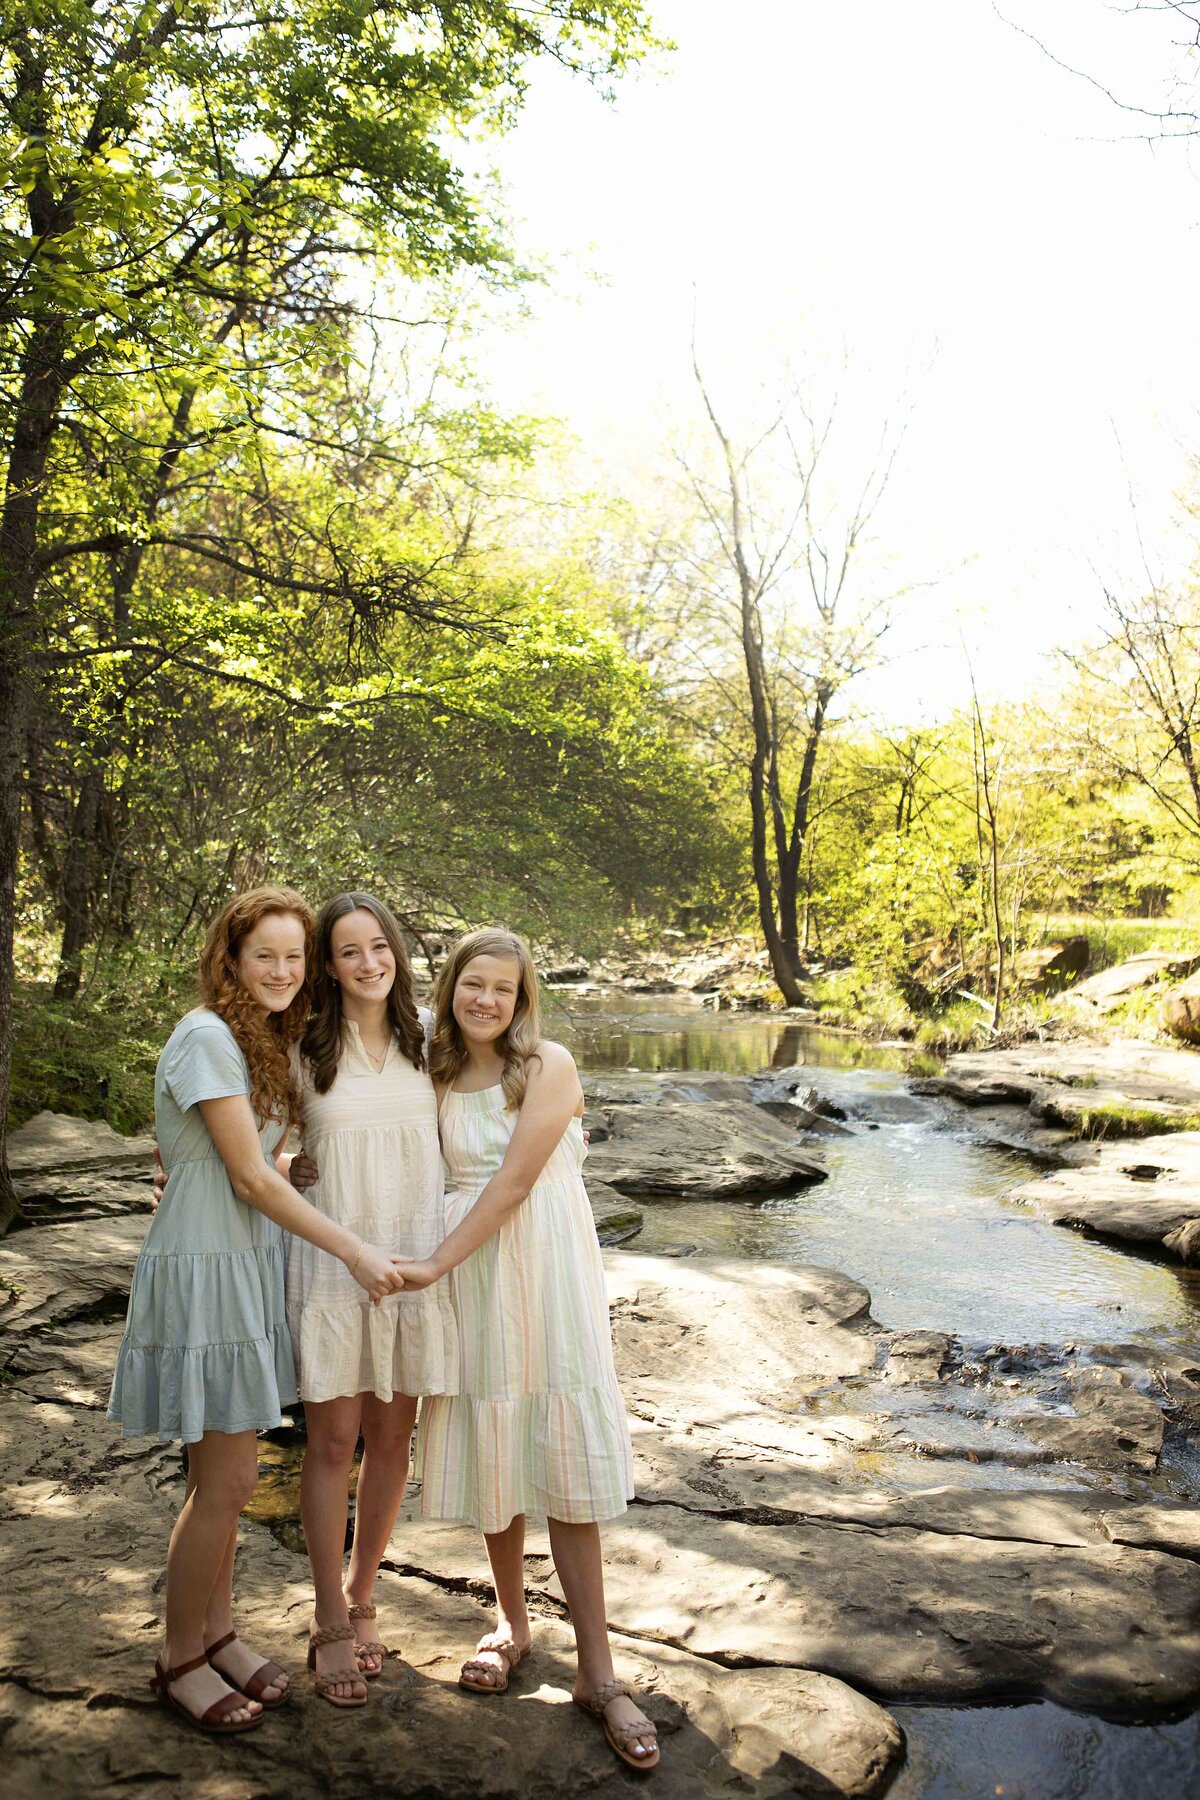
pixel 873 1006
pixel 95 1056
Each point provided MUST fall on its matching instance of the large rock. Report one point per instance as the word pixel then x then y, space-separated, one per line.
pixel 769 1526
pixel 1146 1193
pixel 55 1141
pixel 697 1150
pixel 77 1649
pixel 1053 966
pixel 1109 987
pixel 1180 1011
pixel 1062 1080
pixel 617 1219
pixel 793 1515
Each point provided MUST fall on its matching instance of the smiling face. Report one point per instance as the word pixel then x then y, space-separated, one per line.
pixel 360 957
pixel 485 999
pixel 270 961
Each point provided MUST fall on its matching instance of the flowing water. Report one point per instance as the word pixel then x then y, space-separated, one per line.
pixel 914 1208
pixel 914 1204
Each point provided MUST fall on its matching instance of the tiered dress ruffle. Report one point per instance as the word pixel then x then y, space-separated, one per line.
pixel 374 1137
pixel 539 1426
pixel 206 1346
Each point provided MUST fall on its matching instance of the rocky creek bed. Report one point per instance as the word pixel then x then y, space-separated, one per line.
pixel 842 1528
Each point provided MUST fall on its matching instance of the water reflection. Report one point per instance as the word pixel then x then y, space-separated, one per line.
pixel 914 1206
pixel 644 1031
pixel 1043 1753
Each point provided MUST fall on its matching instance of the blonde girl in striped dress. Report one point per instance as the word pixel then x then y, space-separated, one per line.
pixel 539 1425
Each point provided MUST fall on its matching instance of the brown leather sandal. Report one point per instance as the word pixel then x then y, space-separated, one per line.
pixel 214 1718
pixel 510 1656
pixel 256 1685
pixel 620 1736
pixel 372 1647
pixel 324 1684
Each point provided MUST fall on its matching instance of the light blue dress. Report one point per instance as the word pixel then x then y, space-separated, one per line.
pixel 206 1344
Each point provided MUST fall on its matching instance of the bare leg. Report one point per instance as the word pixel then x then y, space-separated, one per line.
pixel 222 1472
pixel 387 1428
pixel 324 1481
pixel 506 1554
pixel 578 1561
pixel 237 1661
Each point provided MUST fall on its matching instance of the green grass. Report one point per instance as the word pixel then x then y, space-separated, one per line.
pixel 857 1002
pixel 1126 1120
pixel 1112 941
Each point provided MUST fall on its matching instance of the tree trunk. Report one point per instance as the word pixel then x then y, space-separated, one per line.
pixel 781 966
pixel 77 878
pixel 33 430
pixel 14 702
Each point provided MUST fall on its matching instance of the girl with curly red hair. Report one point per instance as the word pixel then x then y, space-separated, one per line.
pixel 206 1355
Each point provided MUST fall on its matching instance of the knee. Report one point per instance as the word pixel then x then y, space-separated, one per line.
pixel 387 1443
pixel 229 1490
pixel 332 1450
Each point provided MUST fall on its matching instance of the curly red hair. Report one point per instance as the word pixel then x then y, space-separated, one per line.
pixel 266 1039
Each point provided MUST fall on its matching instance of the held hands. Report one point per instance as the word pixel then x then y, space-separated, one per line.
pixel 376 1271
pixel 416 1274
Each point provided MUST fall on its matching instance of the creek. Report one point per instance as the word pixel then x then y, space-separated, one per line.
pixel 914 1206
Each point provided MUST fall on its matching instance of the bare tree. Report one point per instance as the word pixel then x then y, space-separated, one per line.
pixel 791 566
pixel 1143 683
pixel 1178 116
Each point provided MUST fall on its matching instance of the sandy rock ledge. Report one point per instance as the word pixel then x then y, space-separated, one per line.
pixel 829 1519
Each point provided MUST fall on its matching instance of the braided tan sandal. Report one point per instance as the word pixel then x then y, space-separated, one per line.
pixel 508 1653
pixel 372 1647
pixel 620 1736
pixel 255 1686
pixel 214 1718
pixel 324 1684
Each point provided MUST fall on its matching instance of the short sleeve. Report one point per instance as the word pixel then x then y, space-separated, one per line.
pixel 207 1065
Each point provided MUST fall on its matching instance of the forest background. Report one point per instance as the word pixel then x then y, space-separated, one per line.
pixel 285 594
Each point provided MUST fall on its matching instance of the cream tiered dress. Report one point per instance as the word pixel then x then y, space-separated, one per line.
pixel 539 1425
pixel 374 1137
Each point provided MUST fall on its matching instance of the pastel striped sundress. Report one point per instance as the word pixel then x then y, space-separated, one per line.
pixel 538 1425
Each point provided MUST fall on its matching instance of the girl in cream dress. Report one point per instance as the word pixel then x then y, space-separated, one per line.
pixel 538 1424
pixel 371 1161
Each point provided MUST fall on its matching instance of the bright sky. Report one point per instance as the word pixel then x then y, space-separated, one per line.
pixel 919 188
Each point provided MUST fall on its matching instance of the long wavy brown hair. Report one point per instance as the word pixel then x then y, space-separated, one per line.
pixel 321 1045
pixel 265 1038
pixel 448 1052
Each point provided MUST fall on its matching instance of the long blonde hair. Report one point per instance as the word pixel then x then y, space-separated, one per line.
pixel 447 1051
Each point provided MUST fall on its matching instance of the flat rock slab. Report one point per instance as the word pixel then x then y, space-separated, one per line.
pixel 53 1141
pixel 765 1565
pixel 1141 1074
pixel 75 1655
pixel 1145 1192
pixel 697 1150
pixel 906 1612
